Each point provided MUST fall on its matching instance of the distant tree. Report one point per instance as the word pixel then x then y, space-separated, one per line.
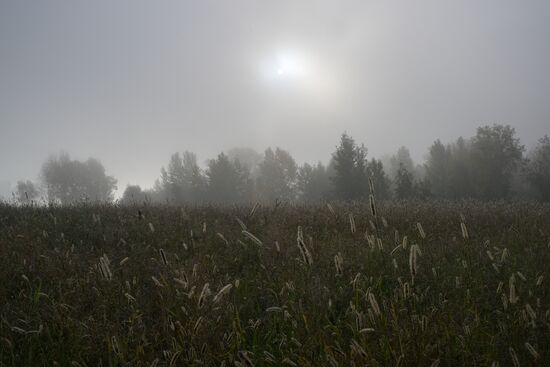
pixel 313 182
pixel 194 176
pixel 228 181
pixel 496 155
pixel 97 185
pixel 401 158
pixel 461 181
pixel 158 193
pixel 438 169
pixel 277 176
pixel 350 165
pixel 381 182
pixel 70 181
pixel 133 194
pixel 183 180
pixel 538 169
pixel 248 158
pixel 404 184
pixel 5 190
pixel 175 184
pixel 26 192
pixel 422 189
pixel 245 183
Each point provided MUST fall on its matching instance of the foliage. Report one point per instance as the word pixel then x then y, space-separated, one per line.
pixel 381 183
pixel 247 157
pixel 313 182
pixel 277 176
pixel 228 181
pixel 538 169
pixel 496 154
pixel 350 165
pixel 483 167
pixel 69 181
pixel 183 181
pixel 438 169
pixel 488 166
pixel 133 194
pixel 404 183
pixel 26 192
pixel 421 284
pixel 401 158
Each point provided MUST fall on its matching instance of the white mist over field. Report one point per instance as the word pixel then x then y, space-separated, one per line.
pixel 131 82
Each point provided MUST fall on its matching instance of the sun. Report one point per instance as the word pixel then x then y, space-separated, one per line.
pixel 297 72
pixel 290 65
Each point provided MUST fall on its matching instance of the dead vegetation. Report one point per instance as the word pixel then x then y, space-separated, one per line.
pixel 422 284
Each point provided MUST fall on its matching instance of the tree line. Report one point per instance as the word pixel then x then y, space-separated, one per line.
pixel 491 165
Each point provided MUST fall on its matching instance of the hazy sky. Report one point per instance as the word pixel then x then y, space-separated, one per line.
pixel 131 82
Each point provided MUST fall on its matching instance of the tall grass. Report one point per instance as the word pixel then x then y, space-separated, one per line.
pixel 422 284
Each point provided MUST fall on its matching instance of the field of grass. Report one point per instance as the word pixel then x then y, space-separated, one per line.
pixel 419 284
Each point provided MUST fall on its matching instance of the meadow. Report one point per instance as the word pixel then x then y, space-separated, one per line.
pixel 400 284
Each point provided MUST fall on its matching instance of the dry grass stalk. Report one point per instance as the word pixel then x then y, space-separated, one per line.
pixel 205 292
pixel 223 291
pixel 512 286
pixel 514 356
pixel 253 210
pixel 163 257
pixel 157 282
pixel 413 259
pixel 464 230
pixel 532 351
pixel 339 264
pixel 372 205
pixel 374 304
pixel 223 238
pixel 254 239
pixel 352 223
pixel 306 255
pixel 421 230
pixel 241 223
pixel 104 267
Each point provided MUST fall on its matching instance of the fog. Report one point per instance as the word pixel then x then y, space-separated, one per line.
pixel 131 82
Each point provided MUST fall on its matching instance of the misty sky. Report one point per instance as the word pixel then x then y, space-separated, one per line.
pixel 131 82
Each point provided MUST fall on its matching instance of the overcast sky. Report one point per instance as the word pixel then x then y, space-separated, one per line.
pixel 131 82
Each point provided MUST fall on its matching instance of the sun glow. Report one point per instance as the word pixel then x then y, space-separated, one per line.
pixel 291 73
pixel 291 65
pixel 287 66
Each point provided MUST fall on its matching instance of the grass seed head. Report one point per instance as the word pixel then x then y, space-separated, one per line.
pixel 163 257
